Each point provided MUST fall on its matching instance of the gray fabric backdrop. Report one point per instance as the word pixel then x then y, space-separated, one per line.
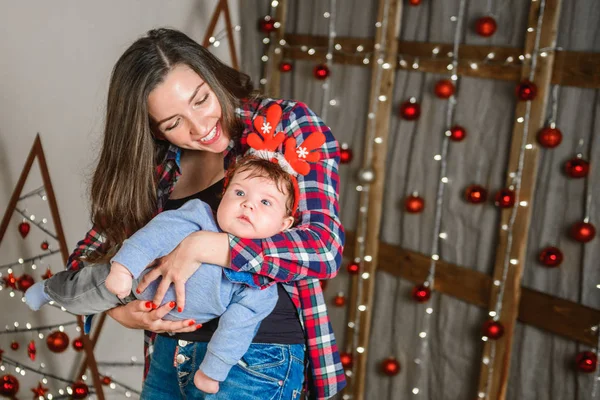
pixel 542 364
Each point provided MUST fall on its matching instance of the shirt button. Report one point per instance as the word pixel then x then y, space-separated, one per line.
pixel 180 358
pixel 182 343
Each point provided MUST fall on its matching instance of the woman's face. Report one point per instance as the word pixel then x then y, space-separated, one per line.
pixel 187 112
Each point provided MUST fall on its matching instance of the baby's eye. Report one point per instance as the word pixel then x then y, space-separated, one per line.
pixel 266 202
pixel 239 192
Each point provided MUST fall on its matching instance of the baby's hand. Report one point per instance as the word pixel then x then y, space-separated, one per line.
pixel 119 280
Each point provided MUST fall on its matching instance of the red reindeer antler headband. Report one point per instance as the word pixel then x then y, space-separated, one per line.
pixel 295 159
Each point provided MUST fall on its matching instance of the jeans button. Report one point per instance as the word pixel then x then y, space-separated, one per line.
pixel 280 383
pixel 182 343
pixel 180 358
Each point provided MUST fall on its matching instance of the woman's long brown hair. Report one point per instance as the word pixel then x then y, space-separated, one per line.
pixel 124 184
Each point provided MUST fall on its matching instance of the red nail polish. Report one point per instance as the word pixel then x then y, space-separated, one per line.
pixel 198 326
pixel 191 323
pixel 148 304
pixel 179 309
pixel 154 306
pixel 172 304
pixel 137 291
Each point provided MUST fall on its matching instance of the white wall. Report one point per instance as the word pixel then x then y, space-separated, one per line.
pixel 55 62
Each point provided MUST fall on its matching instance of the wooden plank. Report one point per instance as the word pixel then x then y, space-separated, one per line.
pixel 275 53
pixel 213 23
pixel 229 27
pixel 552 314
pixel 571 68
pixel 382 84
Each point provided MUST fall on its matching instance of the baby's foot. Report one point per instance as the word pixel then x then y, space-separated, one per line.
pixel 119 280
pixel 204 383
pixel 36 297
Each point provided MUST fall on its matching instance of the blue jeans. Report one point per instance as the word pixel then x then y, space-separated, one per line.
pixel 266 372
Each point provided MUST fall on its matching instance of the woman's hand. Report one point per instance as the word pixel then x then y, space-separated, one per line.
pixel 140 314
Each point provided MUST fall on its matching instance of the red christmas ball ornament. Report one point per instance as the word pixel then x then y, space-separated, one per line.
pixel 577 167
pixel 526 90
pixel 31 350
pixel 414 204
pixel 9 386
pixel 346 360
pixel 78 344
pixel 353 268
pixel 444 89
pixel 390 366
pixel 39 391
pixel 486 26
pixel 106 380
pixel 57 341
pixel 410 110
pixel 345 154
pixel 583 231
pixel 321 72
pixel 48 274
pixel 339 300
pixel 44 245
pixel 285 66
pixel 492 329
pixel 476 194
pixel 549 137
pixel 266 24
pixel 24 282
pixel 457 133
pixel 24 229
pixel 10 281
pixel 505 198
pixel 551 256
pixel 80 390
pixel 14 345
pixel 586 361
pixel 421 293
pixel 414 2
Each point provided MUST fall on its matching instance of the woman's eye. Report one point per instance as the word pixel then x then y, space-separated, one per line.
pixel 239 192
pixel 171 127
pixel 199 102
pixel 266 202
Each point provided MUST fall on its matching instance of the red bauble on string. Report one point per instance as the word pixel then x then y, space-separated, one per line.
pixel 345 154
pixel 390 366
pixel 24 229
pixel 80 390
pixel 486 26
pixel 526 90
pixel 78 344
pixel 339 300
pixel 583 231
pixel 39 391
pixel 353 268
pixel 476 194
pixel 24 282
pixel 586 361
pixel 414 204
pixel 10 281
pixel 44 245
pixel 14 345
pixel 57 341
pixel 444 89
pixel 285 66
pixel 9 386
pixel 421 293
pixel 551 256
pixel 549 137
pixel 346 359
pixel 321 72
pixel 106 380
pixel 492 329
pixel 410 110
pixel 457 133
pixel 266 24
pixel 505 198
pixel 577 167
pixel 414 2
pixel 31 350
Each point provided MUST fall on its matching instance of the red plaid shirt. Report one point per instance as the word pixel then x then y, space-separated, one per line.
pixel 298 257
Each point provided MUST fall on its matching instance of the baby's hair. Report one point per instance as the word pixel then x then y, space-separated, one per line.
pixel 261 168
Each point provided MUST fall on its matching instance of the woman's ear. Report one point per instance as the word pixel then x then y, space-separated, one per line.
pixel 287 223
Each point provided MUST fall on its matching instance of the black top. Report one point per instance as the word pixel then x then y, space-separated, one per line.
pixel 282 326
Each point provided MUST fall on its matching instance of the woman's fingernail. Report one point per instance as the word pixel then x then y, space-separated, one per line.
pixel 191 323
pixel 179 309
pixel 198 326
pixel 137 291
pixel 172 304
pixel 148 304
pixel 154 306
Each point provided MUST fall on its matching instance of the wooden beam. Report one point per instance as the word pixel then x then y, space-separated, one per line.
pixel 212 24
pixel 571 68
pixel 552 314
pixel 275 53
pixel 382 84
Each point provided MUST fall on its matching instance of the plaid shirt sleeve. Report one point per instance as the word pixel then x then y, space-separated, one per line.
pixel 313 248
pixel 93 240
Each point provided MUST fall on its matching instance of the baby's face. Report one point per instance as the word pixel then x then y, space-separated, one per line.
pixel 253 208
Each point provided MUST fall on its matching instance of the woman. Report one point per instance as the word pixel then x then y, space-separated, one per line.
pixel 176 118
